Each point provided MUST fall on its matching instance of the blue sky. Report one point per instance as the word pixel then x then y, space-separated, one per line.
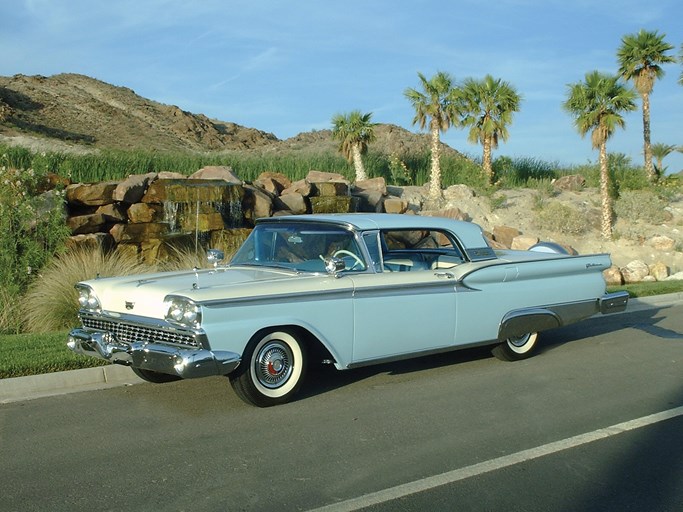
pixel 287 67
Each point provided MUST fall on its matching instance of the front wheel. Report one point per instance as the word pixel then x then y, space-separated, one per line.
pixel 516 347
pixel 272 369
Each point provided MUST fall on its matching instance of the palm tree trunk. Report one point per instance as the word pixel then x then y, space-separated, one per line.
pixel 486 160
pixel 358 163
pixel 647 148
pixel 604 194
pixel 435 173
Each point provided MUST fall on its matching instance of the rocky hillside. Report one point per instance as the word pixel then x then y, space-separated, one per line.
pixel 79 113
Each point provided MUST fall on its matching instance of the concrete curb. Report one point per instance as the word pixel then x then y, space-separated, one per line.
pixel 60 383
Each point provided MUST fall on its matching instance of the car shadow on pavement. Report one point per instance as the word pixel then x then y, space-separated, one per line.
pixel 325 378
pixel 646 320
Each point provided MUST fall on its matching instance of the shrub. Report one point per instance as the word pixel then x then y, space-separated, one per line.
pixel 641 205
pixel 32 230
pixel 560 218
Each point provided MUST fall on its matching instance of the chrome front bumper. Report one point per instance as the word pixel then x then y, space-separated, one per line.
pixel 185 362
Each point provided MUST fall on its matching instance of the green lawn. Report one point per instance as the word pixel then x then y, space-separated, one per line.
pixel 32 354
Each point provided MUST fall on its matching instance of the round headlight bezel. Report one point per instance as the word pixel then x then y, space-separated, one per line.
pixel 183 311
pixel 87 299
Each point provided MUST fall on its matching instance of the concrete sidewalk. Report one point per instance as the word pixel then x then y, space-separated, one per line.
pixel 88 379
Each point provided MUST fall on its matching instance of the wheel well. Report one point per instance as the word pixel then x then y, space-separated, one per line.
pixel 317 351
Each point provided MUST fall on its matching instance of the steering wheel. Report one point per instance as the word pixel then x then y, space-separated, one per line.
pixel 357 261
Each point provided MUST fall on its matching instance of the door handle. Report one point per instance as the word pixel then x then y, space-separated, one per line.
pixel 444 275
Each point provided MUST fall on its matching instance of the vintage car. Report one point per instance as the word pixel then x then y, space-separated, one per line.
pixel 349 290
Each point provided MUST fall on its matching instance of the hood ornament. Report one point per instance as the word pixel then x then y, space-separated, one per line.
pixel 130 305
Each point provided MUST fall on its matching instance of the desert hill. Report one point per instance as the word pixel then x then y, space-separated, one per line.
pixel 75 112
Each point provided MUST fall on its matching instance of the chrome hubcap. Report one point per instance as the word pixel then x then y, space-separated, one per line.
pixel 273 364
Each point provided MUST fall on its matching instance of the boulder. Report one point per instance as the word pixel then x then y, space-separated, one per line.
pixel 269 185
pixel 133 188
pixel 113 213
pixel 217 172
pixel 145 212
pixel 370 201
pixel 282 182
pixel 659 271
pixel 376 185
pixel 91 194
pixel 302 187
pixel 613 276
pixel 257 203
pixel 523 242
pixel 635 271
pixel 505 235
pixel 395 205
pixel 458 193
pixel 294 203
pixel 136 233
pixel 90 223
pixel 662 243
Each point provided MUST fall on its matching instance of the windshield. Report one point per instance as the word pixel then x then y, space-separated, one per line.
pixel 298 246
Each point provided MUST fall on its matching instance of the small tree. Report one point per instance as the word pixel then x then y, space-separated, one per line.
pixel 354 131
pixel 597 105
pixel 660 152
pixel 487 107
pixel 640 58
pixel 434 107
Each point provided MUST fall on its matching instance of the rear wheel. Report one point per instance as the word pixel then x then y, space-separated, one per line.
pixel 516 347
pixel 272 369
pixel 155 377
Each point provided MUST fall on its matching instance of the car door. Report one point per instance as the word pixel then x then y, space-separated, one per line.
pixel 407 309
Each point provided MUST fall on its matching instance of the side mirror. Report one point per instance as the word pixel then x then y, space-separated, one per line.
pixel 334 265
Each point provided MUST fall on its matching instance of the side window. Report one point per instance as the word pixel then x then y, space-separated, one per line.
pixel 419 249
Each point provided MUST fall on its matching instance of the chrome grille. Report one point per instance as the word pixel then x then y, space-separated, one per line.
pixel 130 332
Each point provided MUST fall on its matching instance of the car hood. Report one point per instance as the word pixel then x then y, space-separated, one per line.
pixel 144 294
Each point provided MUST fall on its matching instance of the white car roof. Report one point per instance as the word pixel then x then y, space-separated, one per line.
pixel 470 234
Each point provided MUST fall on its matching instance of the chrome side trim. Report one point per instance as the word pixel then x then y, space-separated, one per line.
pixel 422 353
pixel 187 363
pixel 522 321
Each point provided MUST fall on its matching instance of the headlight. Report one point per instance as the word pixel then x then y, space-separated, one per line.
pixel 87 298
pixel 183 311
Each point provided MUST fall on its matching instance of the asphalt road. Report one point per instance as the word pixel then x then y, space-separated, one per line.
pixel 593 422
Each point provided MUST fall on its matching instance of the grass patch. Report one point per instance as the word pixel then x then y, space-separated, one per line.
pixel 649 289
pixel 32 354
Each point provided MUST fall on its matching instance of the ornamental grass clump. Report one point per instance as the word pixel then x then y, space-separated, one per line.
pixel 51 302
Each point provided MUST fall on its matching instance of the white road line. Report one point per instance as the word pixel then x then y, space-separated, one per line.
pixel 494 464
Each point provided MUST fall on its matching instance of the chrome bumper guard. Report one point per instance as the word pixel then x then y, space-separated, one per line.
pixel 613 302
pixel 187 363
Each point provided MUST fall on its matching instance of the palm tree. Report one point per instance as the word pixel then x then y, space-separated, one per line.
pixel 640 58
pixel 487 107
pixel 597 105
pixel 354 131
pixel 659 152
pixel 434 106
